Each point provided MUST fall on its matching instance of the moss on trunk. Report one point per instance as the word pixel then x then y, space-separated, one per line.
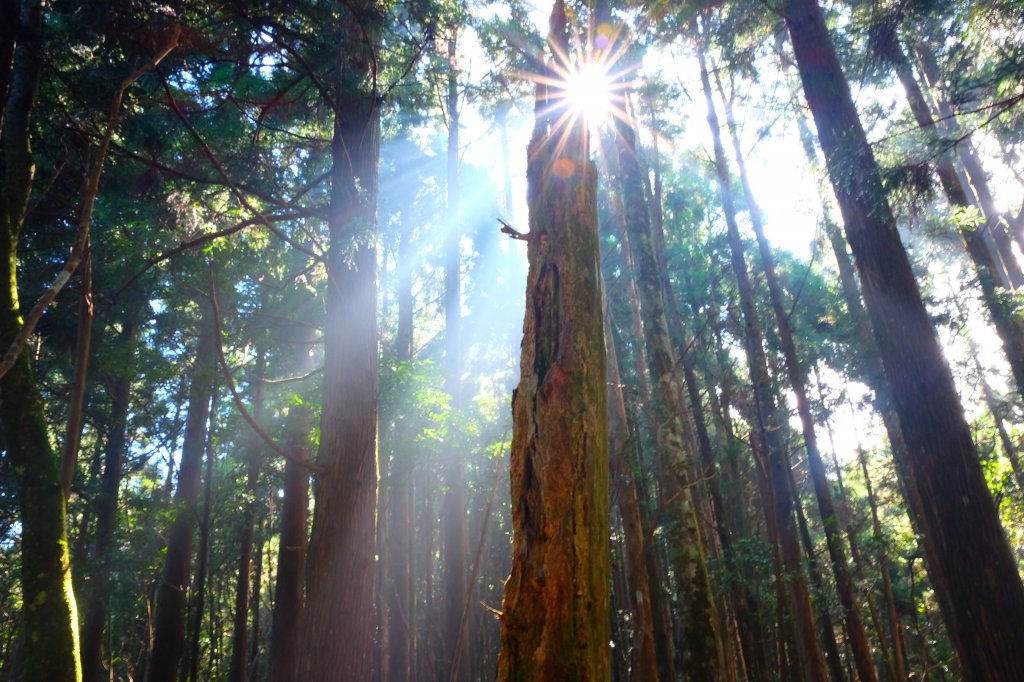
pixel 555 623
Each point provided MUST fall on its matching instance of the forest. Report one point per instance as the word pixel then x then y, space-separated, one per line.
pixel 537 340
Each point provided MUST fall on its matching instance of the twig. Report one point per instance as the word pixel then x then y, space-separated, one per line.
pixel 85 215
pixel 237 399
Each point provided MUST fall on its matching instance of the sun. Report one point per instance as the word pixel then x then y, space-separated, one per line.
pixel 590 90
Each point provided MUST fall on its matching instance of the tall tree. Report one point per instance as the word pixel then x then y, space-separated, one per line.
pixel 172 592
pixel 337 623
pixel 767 418
pixel 960 523
pixel 50 616
pixel 555 622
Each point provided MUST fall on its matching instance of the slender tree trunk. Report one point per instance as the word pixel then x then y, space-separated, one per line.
pixel 555 618
pixel 401 590
pixel 995 228
pixel 768 423
pixel 702 657
pixel 454 532
pixel 49 615
pixel 172 592
pixel 1010 329
pixel 190 670
pixel 73 430
pixel 291 558
pixel 960 522
pixel 240 629
pixel 338 618
pixel 858 639
pixel 119 390
pixel 621 449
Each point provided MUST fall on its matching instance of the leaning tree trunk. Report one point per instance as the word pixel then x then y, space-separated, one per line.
pixel 962 532
pixel 50 618
pixel 987 264
pixel 338 618
pixel 172 592
pixel 555 619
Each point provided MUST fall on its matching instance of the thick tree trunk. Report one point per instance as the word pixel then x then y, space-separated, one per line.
pixel 172 592
pixel 50 618
pixel 960 523
pixel 555 618
pixel 769 423
pixel 338 619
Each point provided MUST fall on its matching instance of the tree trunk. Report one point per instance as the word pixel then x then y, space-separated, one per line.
pixel 555 619
pixel 1009 328
pixel 959 520
pixel 401 590
pixel 190 670
pixel 768 421
pixel 702 656
pixel 171 598
pixel 291 558
pixel 240 629
pixel 338 619
pixel 621 455
pixel 73 430
pixel 114 451
pixel 50 617
pixel 454 536
pixel 858 639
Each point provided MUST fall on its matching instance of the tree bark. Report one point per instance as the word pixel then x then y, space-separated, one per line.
pixel 797 374
pixel 338 619
pixel 291 558
pixel 768 422
pixel 50 617
pixel 555 618
pixel 240 629
pixel 169 616
pixel 114 451
pixel 621 455
pixel 959 520
pixel 702 657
